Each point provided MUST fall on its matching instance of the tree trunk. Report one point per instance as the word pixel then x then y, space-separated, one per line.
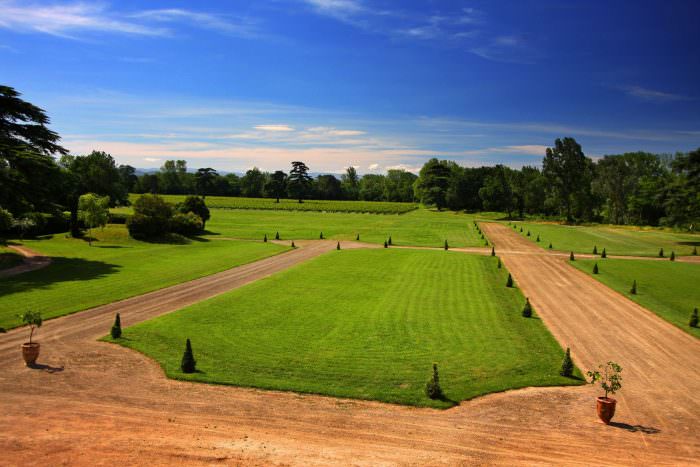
pixel 74 229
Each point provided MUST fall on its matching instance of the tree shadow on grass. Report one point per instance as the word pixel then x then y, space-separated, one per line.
pixel 60 270
pixel 689 243
pixel 647 430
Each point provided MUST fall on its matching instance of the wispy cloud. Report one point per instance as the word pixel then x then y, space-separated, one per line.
pixel 275 128
pixel 8 48
pixel 70 20
pixel 651 95
pixel 506 49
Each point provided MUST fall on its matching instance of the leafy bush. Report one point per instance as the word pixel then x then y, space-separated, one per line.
pixel 610 379
pixel 118 218
pixel 186 224
pixel 196 205
pixel 151 218
pixel 432 387
pixel 567 366
pixel 6 220
pixel 188 364
pixel 116 331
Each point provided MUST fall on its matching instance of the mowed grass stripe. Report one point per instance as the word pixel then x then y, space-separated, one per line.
pixel 364 324
pixel 668 288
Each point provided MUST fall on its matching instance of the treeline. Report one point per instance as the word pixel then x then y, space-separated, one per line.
pixel 174 178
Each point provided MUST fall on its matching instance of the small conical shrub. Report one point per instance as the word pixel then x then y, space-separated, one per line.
pixel 695 251
pixel 386 245
pixel 432 387
pixel 603 254
pixel 595 249
pixel 567 366
pixel 661 253
pixel 265 238
pixel 572 257
pixel 633 290
pixel 694 319
pixel 447 247
pixel 527 309
pixel 486 243
pixel 389 240
pixel 538 238
pixel 493 251
pixel 293 245
pixel 499 263
pixel 277 236
pixel 673 256
pixel 321 236
pixel 521 229
pixel 509 282
pixel 188 364
pixel 357 238
pixel 528 233
pixel 337 247
pixel 550 245
pixel 595 268
pixel 116 331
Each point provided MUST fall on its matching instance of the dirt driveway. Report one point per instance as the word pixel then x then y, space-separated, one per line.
pixel 93 403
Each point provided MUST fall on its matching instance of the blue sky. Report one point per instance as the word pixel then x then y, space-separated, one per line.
pixel 373 84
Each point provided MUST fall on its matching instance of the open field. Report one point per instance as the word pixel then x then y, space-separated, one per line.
pixel 115 267
pixel 364 324
pixel 229 202
pixel 617 240
pixel 669 289
pixel 421 227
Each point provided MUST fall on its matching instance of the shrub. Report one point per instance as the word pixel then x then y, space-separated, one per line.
pixel 23 225
pixel 499 263
pixel 538 238
pixel 277 235
pixel 694 319
pixel 118 218
pixel 661 253
pixel 572 257
pixel 695 251
pixel 293 245
pixel 509 281
pixel 595 268
pixel 116 331
pixel 595 249
pixel 610 380
pixel 446 246
pixel 673 256
pixel 151 217
pixel 196 205
pixel 550 245
pixel 527 309
pixel 357 238
pixel 265 238
pixel 528 233
pixel 321 236
pixel 521 229
pixel 32 319
pixel 493 251
pixel 386 245
pixel 604 254
pixel 633 290
pixel 186 224
pixel 389 242
pixel 432 387
pixel 189 364
pixel 567 366
pixel 6 220
pixel 486 243
pixel 337 247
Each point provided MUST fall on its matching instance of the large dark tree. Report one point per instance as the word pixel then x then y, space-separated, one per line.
pixel 372 187
pixel 328 187
pixel 683 193
pixel 299 181
pixel 29 176
pixel 568 172
pixel 253 183
pixel 350 182
pixel 276 186
pixel 205 181
pixel 497 192
pixel 432 185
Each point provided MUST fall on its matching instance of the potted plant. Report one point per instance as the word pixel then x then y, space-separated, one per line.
pixel 610 380
pixel 30 350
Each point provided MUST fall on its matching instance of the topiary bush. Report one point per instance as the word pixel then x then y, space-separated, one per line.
pixel 572 257
pixel 695 251
pixel 277 235
pixel 389 241
pixel 320 237
pixel 673 256
pixel 528 233
pixel 446 246
pixel 386 245
pixel 493 251
pixel 337 247
pixel 432 387
pixel 538 238
pixel 567 366
pixel 509 281
pixel 694 318
pixel 293 245
pixel 595 249
pixel 499 263
pixel 187 224
pixel 661 253
pixel 116 331
pixel 527 309
pixel 189 364
pixel 550 245
pixel 357 238
pixel 604 254
pixel 633 290
pixel 265 238
pixel 595 268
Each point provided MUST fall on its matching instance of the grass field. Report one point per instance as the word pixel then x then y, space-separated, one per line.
pixel 421 227
pixel 8 258
pixel 617 240
pixel 228 202
pixel 364 324
pixel 114 268
pixel 669 289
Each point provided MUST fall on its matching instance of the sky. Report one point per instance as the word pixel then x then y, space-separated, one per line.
pixel 366 83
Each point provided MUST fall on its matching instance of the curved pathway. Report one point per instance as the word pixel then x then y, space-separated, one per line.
pixel 31 262
pixel 91 402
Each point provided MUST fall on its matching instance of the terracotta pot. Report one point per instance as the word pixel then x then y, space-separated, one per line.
pixel 606 408
pixel 30 352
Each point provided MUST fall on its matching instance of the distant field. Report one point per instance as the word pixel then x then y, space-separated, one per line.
pixel 364 324
pixel 669 289
pixel 227 202
pixel 114 268
pixel 421 227
pixel 628 241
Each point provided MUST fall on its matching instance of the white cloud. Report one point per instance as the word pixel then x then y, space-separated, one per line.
pixel 151 159
pixel 651 95
pixel 330 131
pixel 243 28
pixel 274 128
pixel 373 167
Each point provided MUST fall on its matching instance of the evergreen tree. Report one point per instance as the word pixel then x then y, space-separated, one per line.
pixel 528 233
pixel 595 268
pixel 567 366
pixel 486 243
pixel 188 364
pixel 389 240
pixel 299 181
pixel 572 257
pixel 595 249
pixel 499 263
pixel 550 245
pixel 694 318
pixel 604 254
pixel 265 238
pixel 673 256
pixel 695 251
pixel 661 253
pixel 446 246
pixel 538 238
pixel 633 290
pixel 509 282
pixel 527 309
pixel 321 236
pixel 357 238
pixel 432 388
pixel 521 229
pixel 277 236
pixel 116 331
pixel 337 247
pixel 293 245
pixel 386 245
pixel 493 251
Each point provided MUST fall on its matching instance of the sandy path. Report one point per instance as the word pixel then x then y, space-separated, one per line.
pixel 32 261
pixel 93 403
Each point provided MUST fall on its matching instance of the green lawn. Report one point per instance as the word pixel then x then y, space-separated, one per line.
pixel 229 202
pixel 617 240
pixel 364 324
pixel 669 289
pixel 421 227
pixel 114 268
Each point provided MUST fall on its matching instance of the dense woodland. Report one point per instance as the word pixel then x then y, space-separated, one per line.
pixel 40 181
